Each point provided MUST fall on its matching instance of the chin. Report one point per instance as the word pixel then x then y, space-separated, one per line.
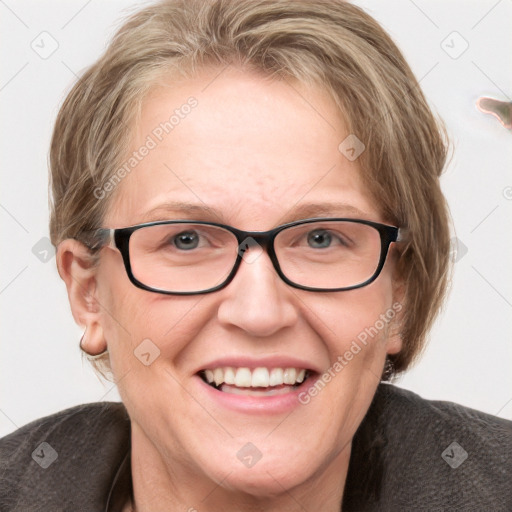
pixel 270 475
pixel 265 482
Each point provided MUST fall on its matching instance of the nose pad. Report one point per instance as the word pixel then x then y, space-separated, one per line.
pixel 250 250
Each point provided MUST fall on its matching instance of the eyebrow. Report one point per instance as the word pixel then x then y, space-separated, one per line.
pixel 312 210
pixel 193 211
pixel 186 210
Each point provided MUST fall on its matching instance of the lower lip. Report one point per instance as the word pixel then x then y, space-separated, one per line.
pixel 260 405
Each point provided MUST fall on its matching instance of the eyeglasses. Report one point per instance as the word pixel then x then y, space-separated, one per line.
pixel 182 257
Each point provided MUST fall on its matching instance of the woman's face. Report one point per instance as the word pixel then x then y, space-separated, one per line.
pixel 252 154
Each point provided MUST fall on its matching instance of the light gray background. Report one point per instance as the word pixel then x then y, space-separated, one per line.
pixel 470 354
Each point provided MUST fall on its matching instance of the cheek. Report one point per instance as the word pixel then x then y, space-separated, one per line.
pixel 355 327
pixel 355 330
pixel 137 322
pixel 362 315
pixel 143 322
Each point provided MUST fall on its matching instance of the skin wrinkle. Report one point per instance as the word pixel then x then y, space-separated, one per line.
pixel 177 431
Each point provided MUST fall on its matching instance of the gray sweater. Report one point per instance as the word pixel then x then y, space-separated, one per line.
pixel 408 454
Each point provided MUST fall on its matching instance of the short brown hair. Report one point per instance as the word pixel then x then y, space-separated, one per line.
pixel 332 44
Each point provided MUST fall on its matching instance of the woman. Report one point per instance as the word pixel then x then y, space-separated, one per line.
pixel 249 223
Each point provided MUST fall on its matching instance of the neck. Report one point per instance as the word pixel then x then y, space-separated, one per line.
pixel 167 485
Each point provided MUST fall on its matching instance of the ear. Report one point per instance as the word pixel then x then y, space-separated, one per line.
pixel 394 341
pixel 78 270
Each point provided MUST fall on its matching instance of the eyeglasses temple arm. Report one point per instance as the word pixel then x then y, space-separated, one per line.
pixel 402 235
pixel 100 238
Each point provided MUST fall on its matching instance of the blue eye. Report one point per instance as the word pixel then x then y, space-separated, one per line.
pixel 186 240
pixel 319 239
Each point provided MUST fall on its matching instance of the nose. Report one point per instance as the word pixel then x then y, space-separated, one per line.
pixel 257 300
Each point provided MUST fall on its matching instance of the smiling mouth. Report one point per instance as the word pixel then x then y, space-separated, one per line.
pixel 256 382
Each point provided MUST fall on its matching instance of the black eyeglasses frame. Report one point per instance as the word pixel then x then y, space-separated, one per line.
pixel 120 239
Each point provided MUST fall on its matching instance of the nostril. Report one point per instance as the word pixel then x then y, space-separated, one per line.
pixel 257 303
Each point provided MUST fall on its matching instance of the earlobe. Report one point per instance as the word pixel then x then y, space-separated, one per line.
pixel 395 341
pixel 93 341
pixel 78 270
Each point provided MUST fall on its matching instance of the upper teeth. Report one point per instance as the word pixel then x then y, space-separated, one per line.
pixel 257 378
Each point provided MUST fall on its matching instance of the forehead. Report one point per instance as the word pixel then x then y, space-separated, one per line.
pixel 239 145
